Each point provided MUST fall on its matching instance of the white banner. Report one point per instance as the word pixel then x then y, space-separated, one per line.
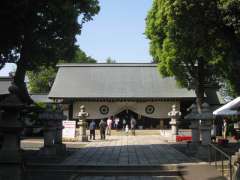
pixel 69 129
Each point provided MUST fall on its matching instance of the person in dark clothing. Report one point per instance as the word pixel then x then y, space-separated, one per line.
pixel 92 128
pixel 102 126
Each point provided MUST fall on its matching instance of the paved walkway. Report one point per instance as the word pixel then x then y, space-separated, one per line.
pixel 128 150
pixel 131 152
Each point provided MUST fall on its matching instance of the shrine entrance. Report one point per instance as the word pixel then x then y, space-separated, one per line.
pixel 143 122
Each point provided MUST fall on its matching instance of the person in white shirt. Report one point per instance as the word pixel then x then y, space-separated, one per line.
pixel 116 121
pixel 109 126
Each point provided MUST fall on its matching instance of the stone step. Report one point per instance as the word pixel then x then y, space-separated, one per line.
pixel 114 170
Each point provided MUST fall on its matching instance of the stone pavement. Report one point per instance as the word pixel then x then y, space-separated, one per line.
pixel 125 158
pixel 128 150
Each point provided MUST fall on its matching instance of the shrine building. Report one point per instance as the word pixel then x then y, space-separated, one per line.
pixel 122 90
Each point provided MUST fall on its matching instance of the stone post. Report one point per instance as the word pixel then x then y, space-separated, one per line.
pixel 82 125
pixel 192 116
pixel 174 115
pixel 205 125
pixel 195 131
pixel 11 128
pixel 205 129
pixel 52 130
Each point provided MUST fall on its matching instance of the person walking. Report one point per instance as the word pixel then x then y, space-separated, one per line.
pixel 102 126
pixel 133 123
pixel 109 126
pixel 92 128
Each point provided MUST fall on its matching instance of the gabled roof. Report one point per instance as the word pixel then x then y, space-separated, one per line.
pixel 114 81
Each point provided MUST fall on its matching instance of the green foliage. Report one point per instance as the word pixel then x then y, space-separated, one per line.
pixel 194 40
pixel 230 44
pixel 41 80
pixel 110 60
pixel 39 33
pixel 44 30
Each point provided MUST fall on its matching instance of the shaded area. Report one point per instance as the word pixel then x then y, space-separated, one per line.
pixel 121 157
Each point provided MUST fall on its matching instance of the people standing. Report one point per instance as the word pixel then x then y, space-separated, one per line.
pixel 133 123
pixel 109 126
pixel 213 132
pixel 92 128
pixel 116 121
pixel 224 128
pixel 124 123
pixel 102 126
pixel 126 129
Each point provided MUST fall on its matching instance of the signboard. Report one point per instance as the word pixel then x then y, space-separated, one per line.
pixel 69 129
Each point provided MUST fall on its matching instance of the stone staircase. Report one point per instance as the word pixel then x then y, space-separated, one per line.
pixel 63 172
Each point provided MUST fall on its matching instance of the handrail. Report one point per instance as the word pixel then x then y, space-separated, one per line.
pixel 222 153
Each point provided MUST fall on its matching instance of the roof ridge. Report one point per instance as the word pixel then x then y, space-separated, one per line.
pixel 107 65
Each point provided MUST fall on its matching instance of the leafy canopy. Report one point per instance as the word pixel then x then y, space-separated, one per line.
pixel 188 40
pixel 40 81
pixel 46 29
pixel 39 33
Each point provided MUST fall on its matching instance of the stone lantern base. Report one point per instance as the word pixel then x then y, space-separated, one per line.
pixel 80 136
pixel 53 150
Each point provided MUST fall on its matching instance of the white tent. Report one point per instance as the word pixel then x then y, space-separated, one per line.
pixel 231 108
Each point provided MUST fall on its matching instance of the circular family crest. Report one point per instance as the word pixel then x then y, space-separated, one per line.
pixel 104 109
pixel 149 109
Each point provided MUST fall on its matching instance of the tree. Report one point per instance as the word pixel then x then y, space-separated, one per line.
pixel 39 33
pixel 229 48
pixel 110 61
pixel 40 81
pixel 184 38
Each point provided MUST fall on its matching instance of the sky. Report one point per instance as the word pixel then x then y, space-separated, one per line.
pixel 116 32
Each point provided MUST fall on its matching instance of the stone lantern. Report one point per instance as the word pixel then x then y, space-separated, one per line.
pixel 174 115
pixel 194 123
pixel 11 128
pixel 205 126
pixel 52 131
pixel 82 125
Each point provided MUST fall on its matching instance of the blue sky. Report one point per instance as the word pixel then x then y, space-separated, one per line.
pixel 116 32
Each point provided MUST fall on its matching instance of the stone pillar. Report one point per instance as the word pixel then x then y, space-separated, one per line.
pixel 52 121
pixel 49 134
pixel 11 128
pixel 175 115
pixel 195 131
pixel 205 129
pixel 82 125
pixel 58 139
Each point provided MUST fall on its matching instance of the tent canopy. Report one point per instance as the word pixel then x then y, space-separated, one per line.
pixel 231 108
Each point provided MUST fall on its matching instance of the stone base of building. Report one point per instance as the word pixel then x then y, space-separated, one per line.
pixel 54 150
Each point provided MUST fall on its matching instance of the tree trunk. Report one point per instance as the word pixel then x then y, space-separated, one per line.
pixel 199 91
pixel 199 86
pixel 22 65
pixel 19 81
